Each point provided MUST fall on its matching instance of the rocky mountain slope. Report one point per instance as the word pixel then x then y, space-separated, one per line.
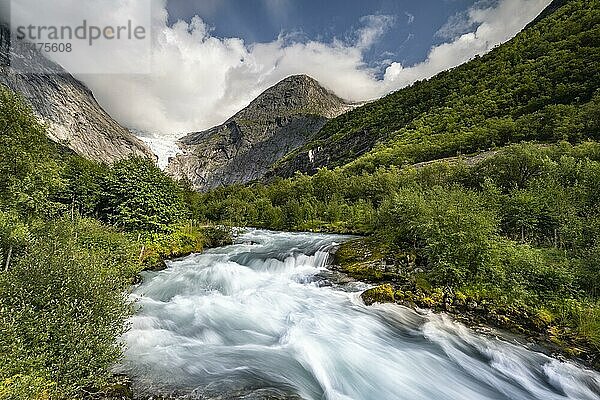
pixel 242 149
pixel 68 107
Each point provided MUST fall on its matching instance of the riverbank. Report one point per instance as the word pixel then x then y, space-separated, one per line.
pixel 401 280
pixel 181 241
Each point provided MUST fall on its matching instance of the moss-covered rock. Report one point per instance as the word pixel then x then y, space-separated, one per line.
pixel 118 388
pixel 379 294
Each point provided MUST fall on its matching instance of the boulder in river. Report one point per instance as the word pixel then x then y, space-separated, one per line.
pixel 379 294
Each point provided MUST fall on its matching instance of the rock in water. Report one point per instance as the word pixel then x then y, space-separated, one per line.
pixel 68 107
pixel 242 149
pixel 379 294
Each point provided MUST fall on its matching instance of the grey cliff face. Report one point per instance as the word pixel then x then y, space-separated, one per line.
pixel 69 109
pixel 243 148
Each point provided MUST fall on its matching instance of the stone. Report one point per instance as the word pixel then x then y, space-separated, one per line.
pixel 379 294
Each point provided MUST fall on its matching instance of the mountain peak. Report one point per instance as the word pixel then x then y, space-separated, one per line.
pixel 302 81
pixel 281 119
pixel 294 95
pixel 300 78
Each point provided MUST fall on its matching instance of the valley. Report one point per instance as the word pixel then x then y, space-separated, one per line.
pixel 438 242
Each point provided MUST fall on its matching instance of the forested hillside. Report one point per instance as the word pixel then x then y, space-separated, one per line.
pixel 508 236
pixel 532 88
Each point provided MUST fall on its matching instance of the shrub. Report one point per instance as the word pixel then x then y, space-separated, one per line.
pixel 62 308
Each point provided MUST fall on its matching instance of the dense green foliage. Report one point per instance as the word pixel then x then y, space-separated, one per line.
pixel 64 275
pixel 535 87
pixel 133 194
pixel 63 306
pixel 29 171
pixel 138 195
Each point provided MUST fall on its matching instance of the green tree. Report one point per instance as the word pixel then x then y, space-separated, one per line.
pixel 29 172
pixel 137 195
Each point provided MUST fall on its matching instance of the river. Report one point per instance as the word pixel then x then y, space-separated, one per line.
pixel 264 318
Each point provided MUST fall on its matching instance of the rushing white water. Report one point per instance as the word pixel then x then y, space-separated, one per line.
pixel 265 318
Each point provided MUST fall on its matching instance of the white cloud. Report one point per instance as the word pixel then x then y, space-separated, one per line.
pixel 494 24
pixel 374 27
pixel 199 80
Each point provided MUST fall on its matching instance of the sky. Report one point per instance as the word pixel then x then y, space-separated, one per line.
pixel 407 38
pixel 210 58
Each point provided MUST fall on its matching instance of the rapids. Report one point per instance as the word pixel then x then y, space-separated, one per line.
pixel 264 317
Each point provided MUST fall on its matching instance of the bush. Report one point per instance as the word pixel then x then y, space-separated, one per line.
pixel 62 307
pixel 450 230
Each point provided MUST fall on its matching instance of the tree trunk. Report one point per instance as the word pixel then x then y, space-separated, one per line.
pixel 142 252
pixel 10 250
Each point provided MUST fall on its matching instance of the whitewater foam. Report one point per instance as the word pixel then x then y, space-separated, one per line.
pixel 252 317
